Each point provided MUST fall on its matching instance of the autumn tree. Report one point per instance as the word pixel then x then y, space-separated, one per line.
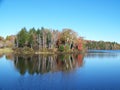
pixel 68 37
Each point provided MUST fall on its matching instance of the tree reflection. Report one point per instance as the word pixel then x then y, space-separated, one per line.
pixel 1 55
pixel 9 56
pixel 41 64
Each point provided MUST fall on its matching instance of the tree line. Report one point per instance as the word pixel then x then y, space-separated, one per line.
pixel 47 39
pixel 43 39
pixel 7 42
pixel 101 45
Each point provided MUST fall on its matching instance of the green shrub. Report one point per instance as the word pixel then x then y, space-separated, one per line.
pixel 27 50
pixel 67 48
pixel 61 48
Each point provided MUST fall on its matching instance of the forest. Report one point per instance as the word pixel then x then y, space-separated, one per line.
pixel 50 40
pixel 101 45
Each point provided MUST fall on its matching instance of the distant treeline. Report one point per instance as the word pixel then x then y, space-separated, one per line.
pixel 101 45
pixel 7 42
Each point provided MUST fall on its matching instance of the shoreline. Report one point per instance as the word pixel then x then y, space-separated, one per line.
pixel 27 52
pixel 6 50
pixel 10 50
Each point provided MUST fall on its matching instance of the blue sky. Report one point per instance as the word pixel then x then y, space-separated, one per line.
pixel 92 19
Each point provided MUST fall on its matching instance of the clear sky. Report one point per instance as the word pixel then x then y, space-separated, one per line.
pixel 92 19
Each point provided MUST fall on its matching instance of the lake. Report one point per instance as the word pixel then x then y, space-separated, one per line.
pixel 95 70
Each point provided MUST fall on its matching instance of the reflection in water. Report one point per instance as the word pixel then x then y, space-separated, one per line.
pixel 101 55
pixel 35 72
pixel 41 64
pixel 9 56
pixel 1 55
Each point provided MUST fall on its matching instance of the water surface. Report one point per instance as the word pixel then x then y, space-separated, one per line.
pixel 93 70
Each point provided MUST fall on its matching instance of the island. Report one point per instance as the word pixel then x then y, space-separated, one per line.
pixel 50 41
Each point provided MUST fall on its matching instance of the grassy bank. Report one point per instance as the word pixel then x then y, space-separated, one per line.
pixel 6 50
pixel 28 51
pixel 44 53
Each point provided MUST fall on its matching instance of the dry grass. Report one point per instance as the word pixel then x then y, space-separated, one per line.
pixel 44 53
pixel 6 50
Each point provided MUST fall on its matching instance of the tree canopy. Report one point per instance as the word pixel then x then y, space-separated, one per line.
pixel 43 38
pixel 55 40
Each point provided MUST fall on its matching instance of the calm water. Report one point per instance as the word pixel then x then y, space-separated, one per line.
pixel 95 70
